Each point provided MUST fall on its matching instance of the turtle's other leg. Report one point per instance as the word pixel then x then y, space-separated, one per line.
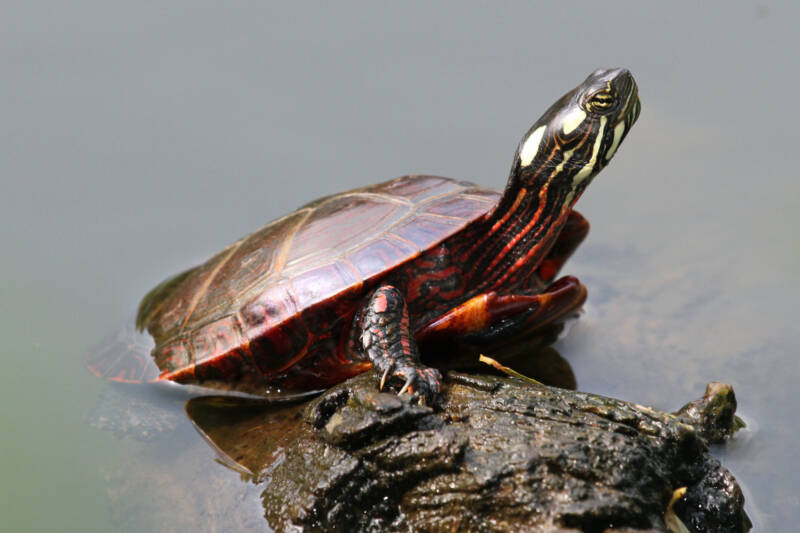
pixel 491 317
pixel 572 234
pixel 386 338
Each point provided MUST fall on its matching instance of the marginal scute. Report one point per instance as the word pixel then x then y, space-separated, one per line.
pixel 322 283
pixel 271 307
pixel 216 339
pixel 173 355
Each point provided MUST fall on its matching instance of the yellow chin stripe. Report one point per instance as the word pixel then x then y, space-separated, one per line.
pixel 619 129
pixel 531 146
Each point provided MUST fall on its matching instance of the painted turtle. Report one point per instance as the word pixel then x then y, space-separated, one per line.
pixel 360 279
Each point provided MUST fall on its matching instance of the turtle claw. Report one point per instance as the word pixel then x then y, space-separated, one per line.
pixel 425 382
pixel 406 387
pixel 421 382
pixel 383 378
pixel 418 381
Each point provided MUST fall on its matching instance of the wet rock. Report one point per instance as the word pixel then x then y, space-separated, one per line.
pixel 500 454
pixel 714 415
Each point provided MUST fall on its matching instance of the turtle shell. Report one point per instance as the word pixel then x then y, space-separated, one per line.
pixel 285 295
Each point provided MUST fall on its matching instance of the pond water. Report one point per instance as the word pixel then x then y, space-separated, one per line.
pixel 138 139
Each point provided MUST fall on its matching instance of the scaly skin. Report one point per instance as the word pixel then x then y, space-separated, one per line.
pixel 386 338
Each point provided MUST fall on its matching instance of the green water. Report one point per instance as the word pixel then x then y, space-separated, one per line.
pixel 50 476
pixel 136 140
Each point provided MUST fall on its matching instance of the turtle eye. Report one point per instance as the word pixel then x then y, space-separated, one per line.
pixel 601 101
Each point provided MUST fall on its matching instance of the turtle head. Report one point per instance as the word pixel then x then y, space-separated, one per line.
pixel 578 135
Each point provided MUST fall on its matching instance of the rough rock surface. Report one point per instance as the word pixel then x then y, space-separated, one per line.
pixel 500 454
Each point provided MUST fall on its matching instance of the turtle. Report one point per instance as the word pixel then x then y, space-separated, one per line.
pixel 372 277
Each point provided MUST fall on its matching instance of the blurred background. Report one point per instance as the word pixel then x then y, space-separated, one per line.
pixel 138 138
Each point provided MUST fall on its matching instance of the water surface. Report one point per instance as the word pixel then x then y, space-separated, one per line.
pixel 138 139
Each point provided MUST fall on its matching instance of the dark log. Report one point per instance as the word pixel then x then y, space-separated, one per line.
pixel 500 454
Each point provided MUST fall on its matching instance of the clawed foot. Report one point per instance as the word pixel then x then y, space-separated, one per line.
pixel 388 341
pixel 422 382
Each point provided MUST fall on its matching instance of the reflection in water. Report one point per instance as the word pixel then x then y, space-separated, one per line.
pixel 248 436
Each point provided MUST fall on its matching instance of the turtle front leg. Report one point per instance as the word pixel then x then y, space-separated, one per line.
pixel 386 338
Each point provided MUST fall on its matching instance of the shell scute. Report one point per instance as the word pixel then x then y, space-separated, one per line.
pixel 418 189
pixel 424 232
pixel 381 254
pixel 322 283
pixel 216 339
pixel 461 207
pixel 341 223
pixel 274 305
